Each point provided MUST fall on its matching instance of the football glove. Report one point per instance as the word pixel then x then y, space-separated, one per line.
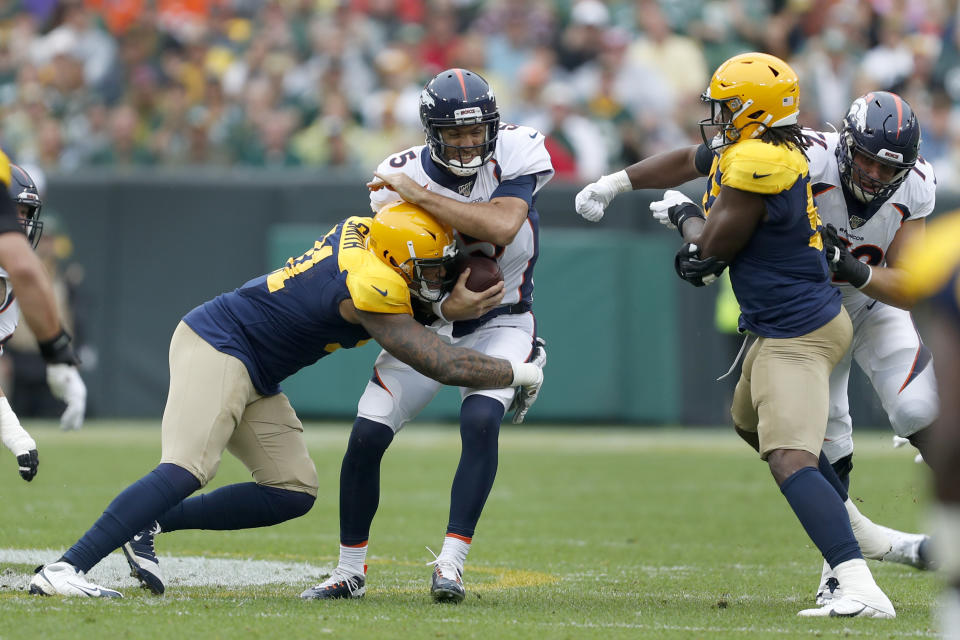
pixel 674 210
pixel 16 438
pixel 696 270
pixel 527 394
pixel 842 262
pixel 66 384
pixel 594 198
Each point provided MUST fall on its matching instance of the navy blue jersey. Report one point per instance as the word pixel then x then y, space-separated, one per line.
pixel 290 318
pixel 780 277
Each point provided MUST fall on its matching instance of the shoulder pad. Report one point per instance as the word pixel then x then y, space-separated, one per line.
pixel 760 167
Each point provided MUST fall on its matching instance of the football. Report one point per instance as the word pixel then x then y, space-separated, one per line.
pixel 484 272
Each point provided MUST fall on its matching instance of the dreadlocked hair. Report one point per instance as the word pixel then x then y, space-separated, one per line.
pixel 791 134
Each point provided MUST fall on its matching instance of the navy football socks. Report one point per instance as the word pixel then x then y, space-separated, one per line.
pixel 822 514
pixel 480 418
pixel 130 512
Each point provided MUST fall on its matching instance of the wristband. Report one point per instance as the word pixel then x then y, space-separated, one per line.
pixel 684 212
pixel 619 181
pixel 58 350
pixel 525 373
pixel 438 307
pixel 863 277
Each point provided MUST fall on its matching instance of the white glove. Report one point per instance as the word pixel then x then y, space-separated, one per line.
pixel 594 198
pixel 899 442
pixel 661 208
pixel 16 438
pixel 527 393
pixel 66 384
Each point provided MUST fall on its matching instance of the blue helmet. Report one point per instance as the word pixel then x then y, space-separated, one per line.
pixel 24 192
pixel 454 98
pixel 882 127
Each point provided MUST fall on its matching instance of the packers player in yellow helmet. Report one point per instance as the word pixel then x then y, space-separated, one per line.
pixel 227 359
pixel 757 218
pixel 933 275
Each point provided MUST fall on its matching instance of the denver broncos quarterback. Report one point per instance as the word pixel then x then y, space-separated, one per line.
pixel 761 221
pixel 481 177
pixel 20 211
pixel 874 193
pixel 932 273
pixel 227 358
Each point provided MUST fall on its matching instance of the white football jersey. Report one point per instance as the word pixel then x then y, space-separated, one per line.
pixel 869 235
pixel 519 152
pixel 9 309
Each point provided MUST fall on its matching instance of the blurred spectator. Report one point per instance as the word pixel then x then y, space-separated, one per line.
pixel 288 82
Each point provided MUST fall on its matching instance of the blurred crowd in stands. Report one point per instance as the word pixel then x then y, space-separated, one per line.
pixel 335 83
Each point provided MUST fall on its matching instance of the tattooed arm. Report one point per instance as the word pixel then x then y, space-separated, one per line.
pixel 408 341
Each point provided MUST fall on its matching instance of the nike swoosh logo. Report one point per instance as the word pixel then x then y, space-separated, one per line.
pixel 137 538
pixel 380 291
pixel 533 135
pixel 93 593
pixel 757 176
pixel 834 614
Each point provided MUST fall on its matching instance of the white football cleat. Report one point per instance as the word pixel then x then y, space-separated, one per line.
pixel 64 579
pixel 849 607
pixel 908 548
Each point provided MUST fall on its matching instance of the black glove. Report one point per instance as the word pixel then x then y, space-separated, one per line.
pixel 841 262
pixel 28 463
pixel 58 350
pixel 696 270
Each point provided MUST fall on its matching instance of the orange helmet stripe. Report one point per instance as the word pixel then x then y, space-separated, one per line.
pixel 463 85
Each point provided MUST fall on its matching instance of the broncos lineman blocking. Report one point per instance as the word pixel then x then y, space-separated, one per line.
pixel 227 358
pixel 874 192
pixel 481 177
pixel 64 380
pixel 763 222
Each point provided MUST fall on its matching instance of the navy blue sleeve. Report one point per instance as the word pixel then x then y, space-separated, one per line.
pixel 703 159
pixel 520 187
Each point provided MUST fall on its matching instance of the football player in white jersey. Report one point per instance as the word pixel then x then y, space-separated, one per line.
pixel 482 177
pixel 874 192
pixel 26 199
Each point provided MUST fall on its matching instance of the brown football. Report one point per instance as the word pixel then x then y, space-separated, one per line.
pixel 484 272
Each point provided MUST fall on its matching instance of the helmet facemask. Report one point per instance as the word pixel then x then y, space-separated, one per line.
pixel 454 157
pixel 861 184
pixel 28 215
pixel 430 278
pixel 722 115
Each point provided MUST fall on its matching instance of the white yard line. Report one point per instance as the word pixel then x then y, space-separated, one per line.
pixel 185 571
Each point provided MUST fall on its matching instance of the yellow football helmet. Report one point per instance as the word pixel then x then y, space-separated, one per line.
pixel 748 94
pixel 417 246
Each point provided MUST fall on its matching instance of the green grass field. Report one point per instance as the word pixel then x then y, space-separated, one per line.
pixel 588 533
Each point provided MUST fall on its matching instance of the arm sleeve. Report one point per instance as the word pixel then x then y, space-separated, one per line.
pixel 703 160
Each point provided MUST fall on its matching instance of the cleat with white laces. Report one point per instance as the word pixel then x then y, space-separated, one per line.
pixel 446 584
pixel 908 548
pixel 143 561
pixel 63 579
pixel 850 607
pixel 340 584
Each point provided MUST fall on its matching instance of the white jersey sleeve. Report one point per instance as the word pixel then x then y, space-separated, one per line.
pixel 521 152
